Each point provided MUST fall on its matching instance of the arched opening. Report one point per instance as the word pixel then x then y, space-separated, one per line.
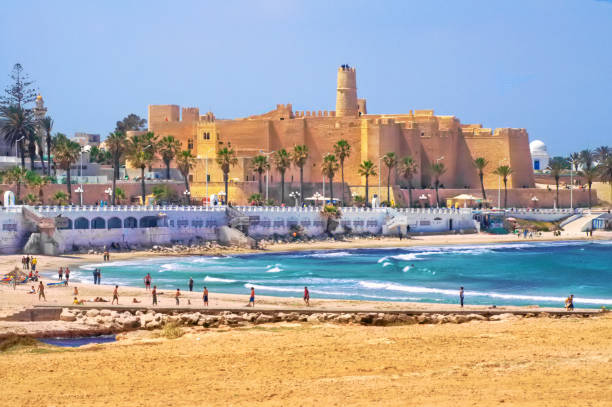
pixel 130 223
pixel 114 223
pixel 81 223
pixel 62 222
pixel 148 222
pixel 98 223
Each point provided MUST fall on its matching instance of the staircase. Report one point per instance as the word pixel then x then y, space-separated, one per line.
pixel 582 224
pixel 237 219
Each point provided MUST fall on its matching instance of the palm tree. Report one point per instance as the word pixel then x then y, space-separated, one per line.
pixel 17 175
pixel 390 160
pixel 116 144
pixel 367 169
pixel 504 171
pixel 41 155
pixel 329 167
pixel 437 169
pixel 119 194
pixel 480 163
pixel 185 162
pixel 260 164
pixel 590 174
pixel 60 197
pixel 34 180
pixel 574 160
pixel 168 149
pixel 47 125
pixel 65 153
pixel 16 126
pixel 587 159
pixel 342 149
pixel 226 158
pixel 140 152
pixel 602 153
pixel 556 167
pixel 30 199
pixel 605 172
pixel 408 168
pixel 299 156
pixel 282 161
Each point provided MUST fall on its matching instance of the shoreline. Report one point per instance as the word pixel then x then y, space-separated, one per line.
pixel 16 300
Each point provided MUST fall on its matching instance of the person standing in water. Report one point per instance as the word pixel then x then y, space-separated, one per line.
pixel 205 296
pixel 60 273
pixel 190 284
pixel 307 296
pixel 67 274
pixel 147 281
pixel 461 296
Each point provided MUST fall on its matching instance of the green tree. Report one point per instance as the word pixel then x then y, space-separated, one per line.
pixel 131 122
pixel 299 156
pixel 602 153
pixel 30 199
pixel 226 159
pixel 164 194
pixel 168 149
pixel 408 168
pixel 17 126
pixel 119 195
pixel 556 166
pixel 17 175
pixel 34 180
pixel 185 162
pixel 65 153
pixel 20 91
pixel 282 161
pixel 574 160
pixel 342 149
pixel 260 164
pixel 329 167
pixel 589 175
pixel 480 163
pixel 256 200
pixel 587 159
pixel 605 172
pixel 390 160
pixel 504 171
pixel 117 144
pixel 437 169
pixel 140 152
pixel 47 126
pixel 367 169
pixel 60 198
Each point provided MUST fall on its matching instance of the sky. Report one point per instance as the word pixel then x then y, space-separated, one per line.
pixel 543 65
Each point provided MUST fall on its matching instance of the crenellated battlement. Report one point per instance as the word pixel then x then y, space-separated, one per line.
pixel 190 114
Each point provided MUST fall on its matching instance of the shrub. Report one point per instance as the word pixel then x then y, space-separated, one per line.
pixel 172 331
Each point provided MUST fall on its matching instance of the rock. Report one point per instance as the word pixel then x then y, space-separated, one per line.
pixel 502 317
pixel 423 319
pixel 476 317
pixel 344 318
pixel 93 313
pixel 105 312
pixel 66 315
pixel 91 321
pixel 406 319
pixel 390 319
pixel 195 317
pixel 263 319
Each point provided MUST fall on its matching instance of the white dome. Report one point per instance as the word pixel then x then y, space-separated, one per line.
pixel 537 146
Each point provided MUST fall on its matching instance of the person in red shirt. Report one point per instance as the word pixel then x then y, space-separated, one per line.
pixel 306 296
pixel 252 299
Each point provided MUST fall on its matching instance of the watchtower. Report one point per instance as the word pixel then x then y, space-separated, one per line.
pixel 346 95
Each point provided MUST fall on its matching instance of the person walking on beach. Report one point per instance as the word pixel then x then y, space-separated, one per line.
pixel 307 296
pixel 177 296
pixel 190 284
pixel 252 299
pixel 67 274
pixel 115 295
pixel 205 297
pixel 41 291
pixel 154 294
pixel 99 276
pixel 147 282
pixel 461 296
pixel 95 276
pixel 60 273
pixel 27 262
pixel 569 303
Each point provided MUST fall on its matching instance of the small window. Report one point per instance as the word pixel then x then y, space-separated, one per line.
pixel 189 144
pixel 207 177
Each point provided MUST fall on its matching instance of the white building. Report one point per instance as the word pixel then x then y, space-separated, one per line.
pixel 539 155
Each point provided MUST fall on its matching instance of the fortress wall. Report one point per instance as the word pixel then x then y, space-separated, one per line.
pixel 182 131
pixel 247 137
pixel 163 113
pixel 190 114
pixel 520 158
pixel 495 149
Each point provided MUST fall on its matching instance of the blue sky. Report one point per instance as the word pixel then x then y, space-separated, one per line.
pixel 545 65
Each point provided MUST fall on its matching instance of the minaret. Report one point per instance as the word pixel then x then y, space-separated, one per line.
pixel 40 111
pixel 346 96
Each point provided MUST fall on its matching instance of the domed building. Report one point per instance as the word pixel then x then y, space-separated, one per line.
pixel 539 155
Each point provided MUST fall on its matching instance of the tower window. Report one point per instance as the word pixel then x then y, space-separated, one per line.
pixel 190 144
pixel 206 136
pixel 207 177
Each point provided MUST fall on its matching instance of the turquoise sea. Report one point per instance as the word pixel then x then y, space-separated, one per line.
pixel 525 273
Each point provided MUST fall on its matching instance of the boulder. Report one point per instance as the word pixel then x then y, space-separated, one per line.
pixel 66 315
pixel 476 317
pixel 105 312
pixel 406 319
pixel 263 319
pixel 344 318
pixel 502 317
pixel 92 313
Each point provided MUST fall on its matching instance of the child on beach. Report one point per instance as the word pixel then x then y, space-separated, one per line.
pixel 32 290
pixel 115 295
pixel 306 296
pixel 75 291
pixel 177 296
pixel 252 299
pixel 569 303
pixel 205 296
pixel 154 294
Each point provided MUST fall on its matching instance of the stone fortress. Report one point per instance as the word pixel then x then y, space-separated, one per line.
pixel 420 133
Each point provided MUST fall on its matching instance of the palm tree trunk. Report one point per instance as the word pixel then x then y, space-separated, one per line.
pixel 484 193
pixel 142 185
pixel 301 185
pixel 505 193
pixel 282 200
pixel 49 153
pixel 259 181
pixel 558 205
pixel 18 193
pixel 42 159
pixel 32 154
pixel 589 195
pixel 68 185
pixel 22 153
pixel 389 186
pixel 342 175
pixel 437 184
pixel 168 170
pixel 331 189
pixel 187 196
pixel 367 191
pixel 114 187
pixel 225 180
pixel 410 193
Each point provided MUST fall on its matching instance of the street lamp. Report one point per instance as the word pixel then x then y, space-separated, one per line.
pixel 109 192
pixel 17 144
pixel 187 194
pixel 79 190
pixel 84 149
pixel 318 197
pixel 571 161
pixel 295 195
